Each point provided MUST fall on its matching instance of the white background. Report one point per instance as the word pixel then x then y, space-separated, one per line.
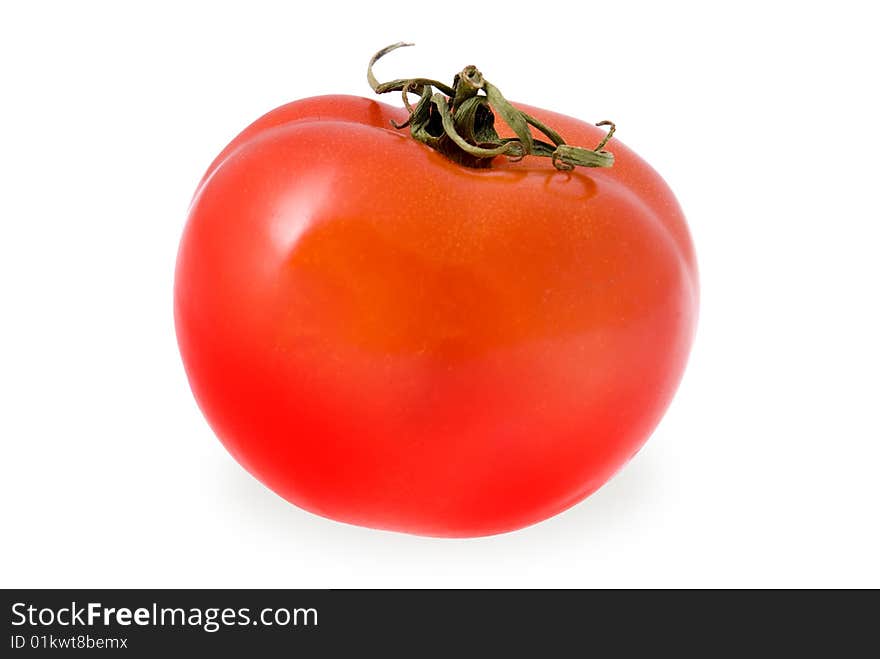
pixel 763 117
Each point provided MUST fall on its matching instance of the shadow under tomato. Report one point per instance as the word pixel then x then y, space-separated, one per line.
pixel 613 505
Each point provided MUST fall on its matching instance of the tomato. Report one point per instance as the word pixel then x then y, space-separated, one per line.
pixel 387 338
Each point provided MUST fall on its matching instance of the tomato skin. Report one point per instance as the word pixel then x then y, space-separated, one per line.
pixel 389 339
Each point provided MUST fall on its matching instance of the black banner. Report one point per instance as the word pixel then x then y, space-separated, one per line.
pixel 418 622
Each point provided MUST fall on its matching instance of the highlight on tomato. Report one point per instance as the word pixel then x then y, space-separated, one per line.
pixel 453 318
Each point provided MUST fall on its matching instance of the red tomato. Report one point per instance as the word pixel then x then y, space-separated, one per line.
pixel 390 339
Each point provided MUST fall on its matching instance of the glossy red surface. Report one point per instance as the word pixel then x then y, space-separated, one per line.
pixel 389 339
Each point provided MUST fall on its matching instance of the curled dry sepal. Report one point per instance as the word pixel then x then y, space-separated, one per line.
pixel 459 121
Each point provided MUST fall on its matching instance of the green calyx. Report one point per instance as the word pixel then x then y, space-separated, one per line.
pixel 459 122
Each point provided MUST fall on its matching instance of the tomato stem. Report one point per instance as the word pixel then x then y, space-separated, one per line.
pixel 459 121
